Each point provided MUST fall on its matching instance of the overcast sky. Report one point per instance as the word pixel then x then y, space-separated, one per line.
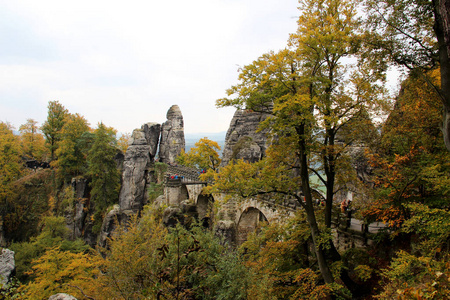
pixel 126 62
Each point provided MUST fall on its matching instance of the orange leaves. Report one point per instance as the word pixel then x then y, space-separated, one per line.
pixel 382 210
pixel 411 162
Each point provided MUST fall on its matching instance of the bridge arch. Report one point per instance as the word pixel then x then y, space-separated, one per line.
pixel 205 209
pixel 248 222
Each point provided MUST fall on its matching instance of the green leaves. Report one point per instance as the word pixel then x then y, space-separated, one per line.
pixel 102 169
pixel 71 160
pixel 53 125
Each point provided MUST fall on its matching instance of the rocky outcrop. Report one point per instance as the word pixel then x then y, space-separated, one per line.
pixel 108 225
pixel 7 266
pixel 172 136
pixel 113 218
pixel 76 220
pixel 138 158
pixel 147 135
pixel 134 177
pixel 184 214
pixel 243 141
pixel 226 230
pixel 62 296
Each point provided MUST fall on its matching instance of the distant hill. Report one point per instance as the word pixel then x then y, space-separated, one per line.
pixel 192 138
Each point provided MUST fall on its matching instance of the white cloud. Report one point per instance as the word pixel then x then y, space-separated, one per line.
pixel 126 63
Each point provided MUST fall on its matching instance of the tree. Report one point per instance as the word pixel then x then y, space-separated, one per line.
pixel 11 167
pixel 415 34
pixel 53 234
pixel 424 272
pixel 147 260
pixel 124 141
pixel 102 169
pixel 311 97
pixel 52 127
pixel 273 254
pixel 71 157
pixel 410 162
pixel 202 156
pixel 32 140
pixel 57 270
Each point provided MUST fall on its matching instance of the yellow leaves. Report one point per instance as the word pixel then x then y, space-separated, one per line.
pixel 58 271
pixel 123 141
pixel 204 155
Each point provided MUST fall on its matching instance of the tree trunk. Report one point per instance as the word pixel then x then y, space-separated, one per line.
pixel 442 31
pixel 309 208
pixel 329 198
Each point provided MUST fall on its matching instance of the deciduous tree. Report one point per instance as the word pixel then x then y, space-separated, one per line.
pixel 415 34
pixel 59 271
pixel 32 140
pixel 52 127
pixel 410 163
pixel 124 141
pixel 10 159
pixel 204 155
pixel 71 157
pixel 312 96
pixel 11 168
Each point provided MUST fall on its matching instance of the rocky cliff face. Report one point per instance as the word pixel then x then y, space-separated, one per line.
pixel 7 266
pixel 138 163
pixel 138 158
pixel 77 222
pixel 242 140
pixel 172 136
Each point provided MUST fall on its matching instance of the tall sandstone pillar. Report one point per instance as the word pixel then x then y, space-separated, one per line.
pixel 172 136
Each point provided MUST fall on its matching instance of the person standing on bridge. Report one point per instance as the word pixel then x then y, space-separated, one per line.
pixel 344 206
pixel 349 213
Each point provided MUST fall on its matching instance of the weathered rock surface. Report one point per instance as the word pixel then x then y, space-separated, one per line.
pixel 108 225
pixel 172 136
pixel 172 215
pixel 134 177
pixel 147 135
pixel 76 221
pixel 77 217
pixel 112 219
pixel 62 296
pixel 226 230
pixel 7 266
pixel 138 159
pixel 242 140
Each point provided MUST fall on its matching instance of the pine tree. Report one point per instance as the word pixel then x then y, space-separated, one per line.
pixel 102 168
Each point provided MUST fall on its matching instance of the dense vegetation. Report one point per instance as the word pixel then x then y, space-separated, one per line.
pixel 325 93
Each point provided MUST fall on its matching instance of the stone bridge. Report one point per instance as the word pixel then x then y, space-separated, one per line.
pixel 235 219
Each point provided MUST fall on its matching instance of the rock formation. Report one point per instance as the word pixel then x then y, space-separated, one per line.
pixel 110 223
pixel 7 266
pixel 138 163
pixel 138 158
pixel 62 296
pixel 172 136
pixel 243 141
